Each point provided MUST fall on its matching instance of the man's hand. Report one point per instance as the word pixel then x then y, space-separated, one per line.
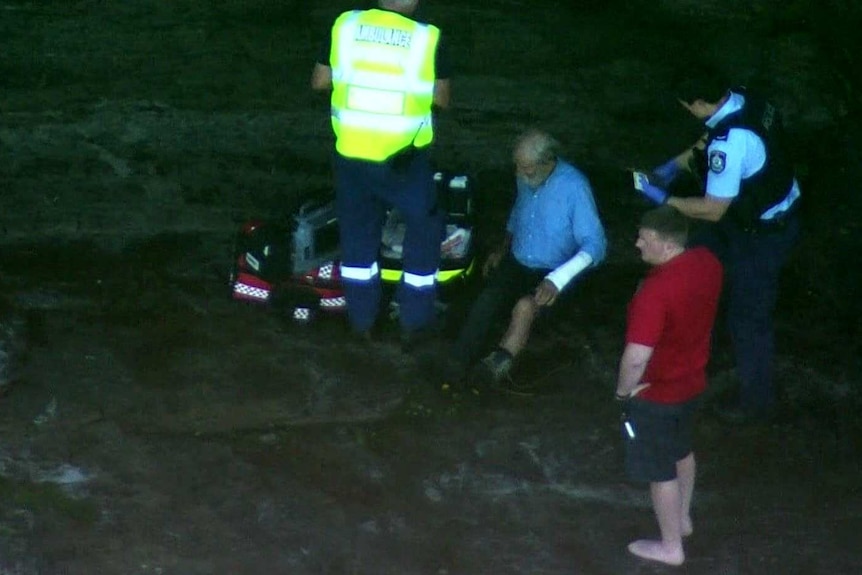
pixel 623 396
pixel 648 190
pixel 546 293
pixel 492 262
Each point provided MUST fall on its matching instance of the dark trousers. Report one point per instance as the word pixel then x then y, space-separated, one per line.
pixel 753 261
pixel 505 285
pixel 364 193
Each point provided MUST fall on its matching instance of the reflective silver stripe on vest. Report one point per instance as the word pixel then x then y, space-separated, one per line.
pixel 359 274
pixel 392 124
pixel 417 281
pixel 387 82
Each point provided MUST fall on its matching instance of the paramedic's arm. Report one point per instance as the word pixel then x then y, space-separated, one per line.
pixel 321 78
pixel 442 93
pixel 442 73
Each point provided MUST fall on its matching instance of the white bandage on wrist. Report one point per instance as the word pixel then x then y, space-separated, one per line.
pixel 561 276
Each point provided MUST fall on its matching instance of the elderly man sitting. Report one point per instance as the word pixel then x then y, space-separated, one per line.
pixel 553 235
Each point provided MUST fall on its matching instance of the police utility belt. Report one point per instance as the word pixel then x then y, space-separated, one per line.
pixel 774 225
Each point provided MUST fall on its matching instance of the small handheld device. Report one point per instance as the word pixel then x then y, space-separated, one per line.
pixel 639 179
pixel 628 427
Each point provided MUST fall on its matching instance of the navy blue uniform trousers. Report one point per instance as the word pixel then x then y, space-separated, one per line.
pixel 364 191
pixel 753 261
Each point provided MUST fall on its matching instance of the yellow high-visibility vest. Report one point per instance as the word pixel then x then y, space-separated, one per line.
pixel 382 83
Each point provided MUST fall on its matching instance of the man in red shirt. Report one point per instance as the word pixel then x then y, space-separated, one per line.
pixel 663 371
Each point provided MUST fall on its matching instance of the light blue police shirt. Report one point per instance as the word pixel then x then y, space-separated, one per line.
pixel 737 157
pixel 552 223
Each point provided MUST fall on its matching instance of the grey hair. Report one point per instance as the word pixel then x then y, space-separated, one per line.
pixel 538 146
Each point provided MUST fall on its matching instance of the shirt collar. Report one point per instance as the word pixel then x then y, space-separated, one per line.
pixel 734 103
pixel 547 180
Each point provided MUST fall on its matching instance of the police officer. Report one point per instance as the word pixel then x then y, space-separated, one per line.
pixel 386 72
pixel 752 196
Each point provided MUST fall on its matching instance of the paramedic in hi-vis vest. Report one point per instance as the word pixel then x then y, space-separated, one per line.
pixel 386 72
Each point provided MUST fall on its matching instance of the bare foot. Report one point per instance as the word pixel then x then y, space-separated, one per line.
pixel 656 551
pixel 687 527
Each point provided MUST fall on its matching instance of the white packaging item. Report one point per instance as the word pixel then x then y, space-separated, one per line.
pixel 457 242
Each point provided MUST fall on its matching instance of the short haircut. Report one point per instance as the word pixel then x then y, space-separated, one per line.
pixel 709 85
pixel 668 222
pixel 537 146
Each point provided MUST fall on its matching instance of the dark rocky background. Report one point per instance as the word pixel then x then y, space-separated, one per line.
pixel 151 425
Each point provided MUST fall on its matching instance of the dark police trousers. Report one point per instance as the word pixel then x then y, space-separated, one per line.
pixel 752 260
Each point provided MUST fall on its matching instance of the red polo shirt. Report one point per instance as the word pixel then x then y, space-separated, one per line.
pixel 673 312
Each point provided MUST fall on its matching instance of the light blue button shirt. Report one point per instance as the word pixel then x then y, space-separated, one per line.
pixel 553 222
pixel 739 156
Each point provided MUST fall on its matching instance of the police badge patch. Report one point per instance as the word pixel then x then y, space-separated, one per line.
pixel 717 161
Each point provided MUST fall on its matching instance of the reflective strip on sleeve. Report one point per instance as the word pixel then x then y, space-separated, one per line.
pixel 359 274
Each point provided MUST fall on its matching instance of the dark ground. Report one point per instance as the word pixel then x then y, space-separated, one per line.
pixel 155 426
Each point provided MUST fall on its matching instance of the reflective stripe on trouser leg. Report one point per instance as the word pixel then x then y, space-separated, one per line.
pixel 360 218
pixel 417 290
pixel 362 292
pixel 416 295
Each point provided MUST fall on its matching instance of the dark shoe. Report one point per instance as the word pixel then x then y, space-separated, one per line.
pixel 737 415
pixel 734 415
pixel 494 368
pixel 413 340
pixel 365 336
pixel 454 370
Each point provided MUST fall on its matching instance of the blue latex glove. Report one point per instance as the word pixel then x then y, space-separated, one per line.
pixel 650 191
pixel 667 172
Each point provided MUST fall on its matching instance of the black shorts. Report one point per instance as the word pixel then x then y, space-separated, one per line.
pixel 662 436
